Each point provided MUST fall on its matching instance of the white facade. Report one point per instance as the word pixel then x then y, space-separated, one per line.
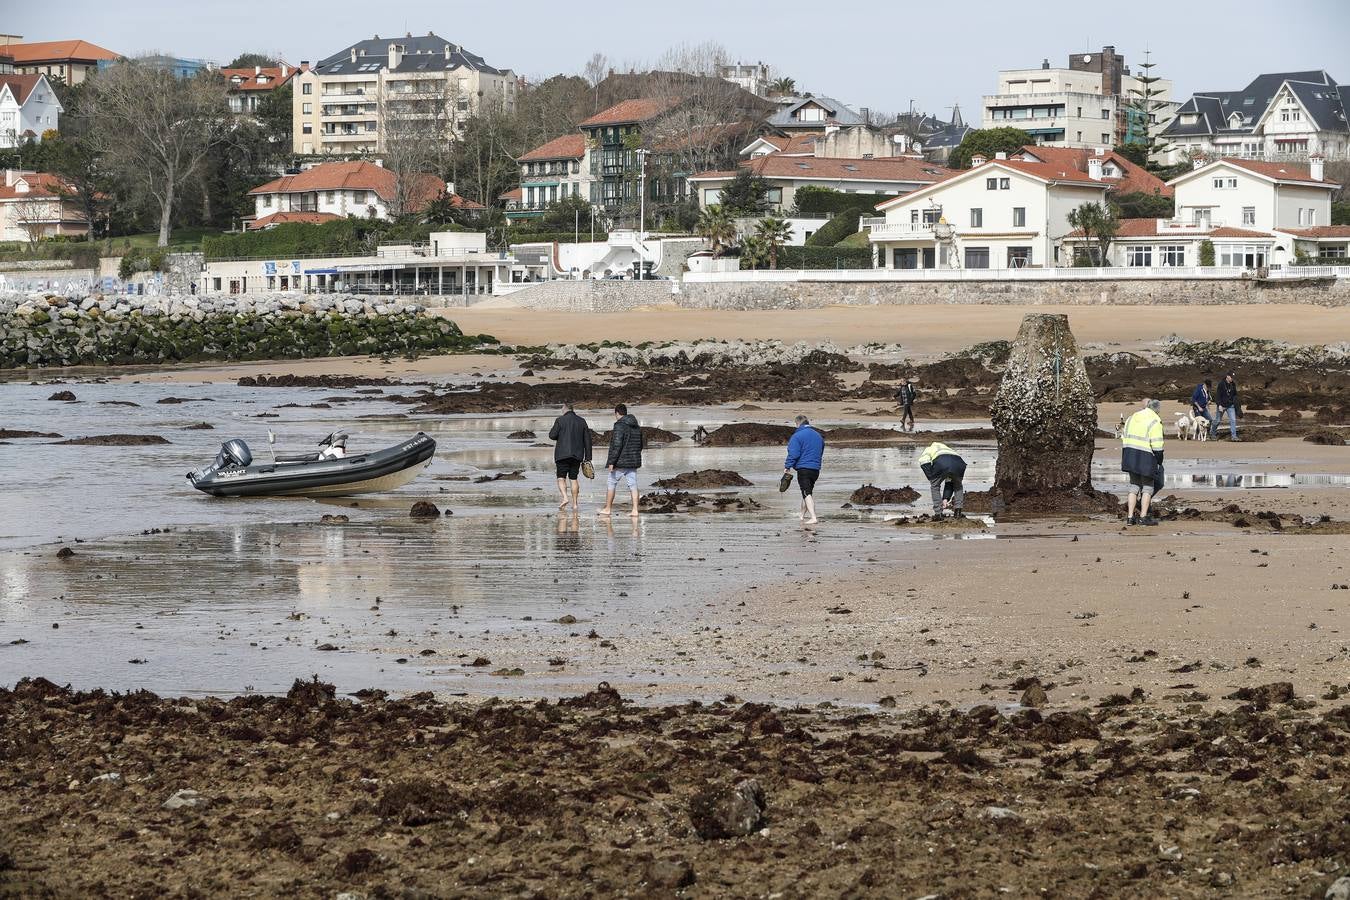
pixel 30 209
pixel 27 119
pixel 1225 193
pixel 1002 215
pixel 341 203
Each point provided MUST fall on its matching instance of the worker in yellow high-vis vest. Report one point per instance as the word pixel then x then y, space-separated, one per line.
pixel 1141 457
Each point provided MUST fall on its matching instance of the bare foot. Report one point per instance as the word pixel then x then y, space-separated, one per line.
pixel 604 511
pixel 810 521
pixel 563 505
pixel 634 513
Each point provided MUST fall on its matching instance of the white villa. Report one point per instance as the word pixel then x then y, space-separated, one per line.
pixel 1001 213
pixel 28 107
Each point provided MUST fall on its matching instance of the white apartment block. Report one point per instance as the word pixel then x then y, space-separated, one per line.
pixel 1286 116
pixel 999 214
pixel 348 102
pixel 1089 104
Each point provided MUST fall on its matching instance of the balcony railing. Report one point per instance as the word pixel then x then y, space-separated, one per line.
pixel 880 229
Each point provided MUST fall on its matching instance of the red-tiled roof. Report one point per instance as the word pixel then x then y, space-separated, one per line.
pixel 350 176
pixel 1277 170
pixel 568 146
pixel 458 202
pixel 828 168
pixel 20 85
pixel 249 78
pixel 699 136
pixel 629 111
pixel 56 51
pixel 513 194
pixel 1320 231
pixel 1135 179
pixel 1043 171
pixel 1135 228
pixel 40 184
pixel 285 218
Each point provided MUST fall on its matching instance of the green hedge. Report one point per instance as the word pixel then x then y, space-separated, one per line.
pixel 825 258
pixel 835 230
pixel 820 201
pixel 336 238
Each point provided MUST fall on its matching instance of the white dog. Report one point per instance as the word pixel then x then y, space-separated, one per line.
pixel 1183 426
pixel 1192 428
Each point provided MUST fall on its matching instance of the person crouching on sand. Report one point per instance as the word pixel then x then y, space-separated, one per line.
pixel 572 447
pixel 944 471
pixel 805 450
pixel 625 458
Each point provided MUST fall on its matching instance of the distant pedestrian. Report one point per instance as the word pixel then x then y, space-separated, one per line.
pixel 700 435
pixel 625 458
pixel 1227 398
pixel 1200 400
pixel 805 451
pixel 945 471
pixel 905 397
pixel 572 448
pixel 1141 457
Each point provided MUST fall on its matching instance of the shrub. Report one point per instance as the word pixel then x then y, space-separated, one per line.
pixel 1206 253
pixel 825 258
pixel 823 201
pixel 835 230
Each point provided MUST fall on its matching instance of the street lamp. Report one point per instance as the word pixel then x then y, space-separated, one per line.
pixel 642 210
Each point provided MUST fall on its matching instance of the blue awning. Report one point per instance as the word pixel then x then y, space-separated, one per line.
pixel 321 271
pixel 1044 131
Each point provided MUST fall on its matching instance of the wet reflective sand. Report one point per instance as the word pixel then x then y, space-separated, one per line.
pixel 240 595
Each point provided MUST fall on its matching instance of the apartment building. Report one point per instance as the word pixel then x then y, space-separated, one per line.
pixel 1088 103
pixel 753 77
pixel 248 86
pixel 614 136
pixel 28 107
pixel 1255 213
pixel 1000 213
pixel 72 61
pixel 347 102
pixel 552 172
pixel 1285 116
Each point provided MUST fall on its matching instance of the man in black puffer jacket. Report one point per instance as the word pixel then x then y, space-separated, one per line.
pixel 625 458
pixel 573 448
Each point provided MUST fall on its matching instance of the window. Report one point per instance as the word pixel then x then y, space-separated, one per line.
pixel 1297 115
pixel 1172 255
pixel 307 88
pixel 1249 215
pixel 977 219
pixel 267 201
pixel 1218 184
pixel 1004 184
pixel 1139 255
pixel 1080 137
pixel 358 196
pixel 1019 216
pixel 330 197
pixel 1080 112
pixel 977 257
pixel 991 184
pixel 914 217
pixel 306 128
pixel 1106 138
pixel 1106 114
pixel 1019 257
pixel 1312 216
pixel 307 108
pixel 1232 183
pixel 1300 215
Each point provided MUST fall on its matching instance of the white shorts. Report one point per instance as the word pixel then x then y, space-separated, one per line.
pixel 629 475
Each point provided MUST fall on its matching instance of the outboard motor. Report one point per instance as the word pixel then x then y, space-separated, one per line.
pixel 233 453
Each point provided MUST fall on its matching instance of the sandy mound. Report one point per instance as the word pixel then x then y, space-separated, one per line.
pixel 870 495
pixel 749 434
pixel 703 478
pixel 116 440
pixel 682 501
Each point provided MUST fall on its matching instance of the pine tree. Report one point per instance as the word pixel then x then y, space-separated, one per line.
pixel 1145 104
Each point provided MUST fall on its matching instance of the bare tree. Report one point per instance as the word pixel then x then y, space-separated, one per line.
pixel 418 113
pixel 595 70
pixel 34 212
pixel 153 129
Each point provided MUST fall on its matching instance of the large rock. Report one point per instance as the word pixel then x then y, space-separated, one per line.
pixel 721 810
pixel 1045 414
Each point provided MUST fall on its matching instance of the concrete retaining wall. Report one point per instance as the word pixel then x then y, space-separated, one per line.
pixel 613 296
pixel 28 265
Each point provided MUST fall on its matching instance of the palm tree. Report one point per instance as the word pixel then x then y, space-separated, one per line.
pixel 774 233
pixel 754 252
pixel 782 86
pixel 716 226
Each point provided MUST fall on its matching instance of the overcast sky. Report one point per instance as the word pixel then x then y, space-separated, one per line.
pixel 881 55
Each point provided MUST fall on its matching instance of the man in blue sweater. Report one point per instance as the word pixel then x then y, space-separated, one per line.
pixel 805 450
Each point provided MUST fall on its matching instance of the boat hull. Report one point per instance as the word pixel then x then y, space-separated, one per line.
pixel 382 470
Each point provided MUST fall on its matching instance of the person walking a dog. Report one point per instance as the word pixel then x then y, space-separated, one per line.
pixel 1141 458
pixel 1227 398
pixel 1200 400
pixel 944 471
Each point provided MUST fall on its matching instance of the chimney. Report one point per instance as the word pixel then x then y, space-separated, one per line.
pixel 1000 155
pixel 978 160
pixel 1045 63
pixel 447 51
pixel 257 70
pixel 1315 167
pixel 304 65
pixel 395 55
pixel 1095 168
pixel 866 115
pixel 285 70
pixel 353 54
pixel 1197 162
pixel 1101 151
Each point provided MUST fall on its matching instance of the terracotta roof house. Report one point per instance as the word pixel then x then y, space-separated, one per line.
pixel 247 86
pixel 71 60
pixel 36 205
pixel 339 189
pixel 28 107
pixel 786 173
pixel 1119 173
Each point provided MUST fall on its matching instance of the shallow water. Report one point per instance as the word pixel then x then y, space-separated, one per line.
pixel 237 594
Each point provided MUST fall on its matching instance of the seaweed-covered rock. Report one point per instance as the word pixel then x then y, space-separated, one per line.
pixel 1044 415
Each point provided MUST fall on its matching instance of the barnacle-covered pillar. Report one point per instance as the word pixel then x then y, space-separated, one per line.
pixel 1045 414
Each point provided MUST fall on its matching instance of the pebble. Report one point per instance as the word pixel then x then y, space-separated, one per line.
pixel 1339 889
pixel 185 799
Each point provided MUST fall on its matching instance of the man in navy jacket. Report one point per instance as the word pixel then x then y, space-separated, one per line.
pixel 805 450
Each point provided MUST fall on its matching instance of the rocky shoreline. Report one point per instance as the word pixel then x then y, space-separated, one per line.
pixel 51 330
pixel 412 797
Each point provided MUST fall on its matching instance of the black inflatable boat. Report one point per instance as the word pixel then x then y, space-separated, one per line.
pixel 325 473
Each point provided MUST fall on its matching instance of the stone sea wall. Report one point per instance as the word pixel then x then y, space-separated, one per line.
pixel 47 330
pixel 614 296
